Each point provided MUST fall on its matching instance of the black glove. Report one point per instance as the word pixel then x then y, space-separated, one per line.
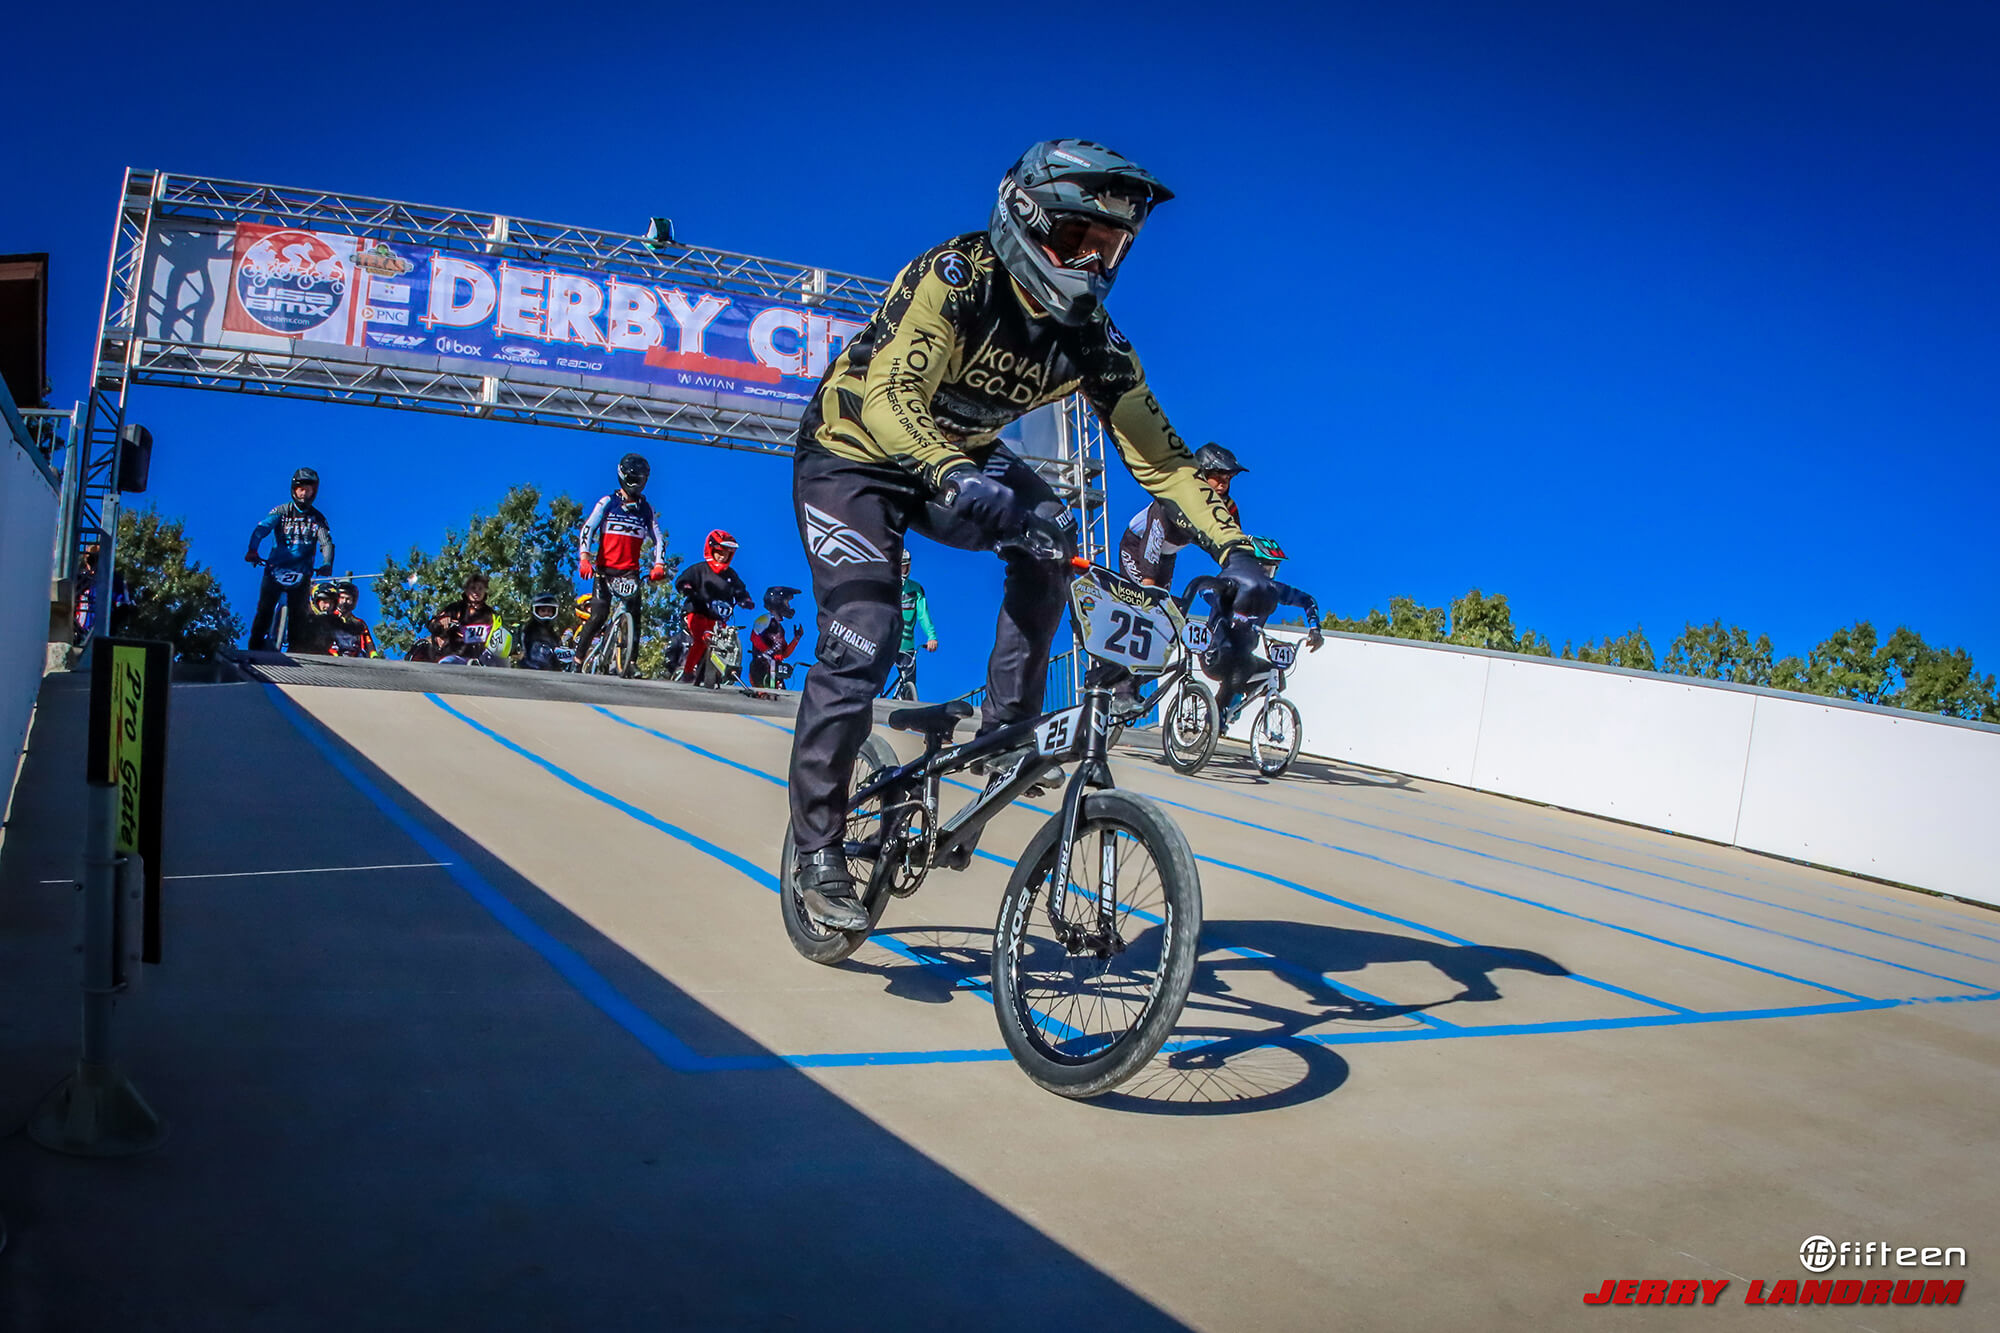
pixel 744 602
pixel 985 503
pixel 1256 595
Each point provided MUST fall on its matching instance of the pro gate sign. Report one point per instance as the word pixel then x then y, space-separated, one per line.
pixel 416 305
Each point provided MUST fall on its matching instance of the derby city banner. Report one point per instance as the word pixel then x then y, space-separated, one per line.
pixel 263 287
pixel 128 750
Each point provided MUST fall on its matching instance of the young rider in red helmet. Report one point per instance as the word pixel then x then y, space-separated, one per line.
pixel 703 586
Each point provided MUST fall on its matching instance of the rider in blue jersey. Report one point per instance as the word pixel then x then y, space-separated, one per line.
pixel 1232 659
pixel 301 545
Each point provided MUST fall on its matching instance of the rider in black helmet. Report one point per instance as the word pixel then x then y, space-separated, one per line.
pixel 301 545
pixel 768 644
pixel 1158 533
pixel 903 433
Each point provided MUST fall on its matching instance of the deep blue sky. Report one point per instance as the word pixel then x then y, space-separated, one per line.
pixel 1636 312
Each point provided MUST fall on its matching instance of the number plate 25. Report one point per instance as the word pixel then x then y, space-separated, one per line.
pixel 1060 734
pixel 1115 631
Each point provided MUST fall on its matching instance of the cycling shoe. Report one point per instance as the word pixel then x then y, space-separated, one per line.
pixel 827 890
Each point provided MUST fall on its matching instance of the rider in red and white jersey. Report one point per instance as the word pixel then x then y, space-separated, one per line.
pixel 618 527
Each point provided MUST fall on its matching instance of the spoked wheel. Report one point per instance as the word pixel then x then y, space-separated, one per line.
pixel 1188 727
pixel 1088 983
pixel 1275 737
pixel 864 830
pixel 624 648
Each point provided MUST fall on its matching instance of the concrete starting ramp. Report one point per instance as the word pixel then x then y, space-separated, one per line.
pixel 477 1013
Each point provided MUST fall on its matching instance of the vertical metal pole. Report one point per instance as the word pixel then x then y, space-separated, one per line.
pixel 96 1112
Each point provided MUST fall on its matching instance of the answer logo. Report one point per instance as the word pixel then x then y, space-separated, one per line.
pixel 834 544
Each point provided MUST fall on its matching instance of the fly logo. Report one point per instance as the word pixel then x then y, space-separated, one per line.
pixel 834 544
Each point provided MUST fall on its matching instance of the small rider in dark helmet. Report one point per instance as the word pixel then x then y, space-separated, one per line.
pixel 903 433
pixel 768 644
pixel 617 530
pixel 1158 533
pixel 1232 659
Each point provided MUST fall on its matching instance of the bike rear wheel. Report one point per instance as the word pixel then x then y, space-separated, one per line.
pixel 1188 727
pixel 1084 1002
pixel 1275 737
pixel 864 826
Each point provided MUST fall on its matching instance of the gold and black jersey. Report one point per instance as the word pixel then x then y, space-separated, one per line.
pixel 955 354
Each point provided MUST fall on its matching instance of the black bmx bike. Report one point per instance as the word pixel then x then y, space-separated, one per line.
pixel 1094 947
pixel 1192 720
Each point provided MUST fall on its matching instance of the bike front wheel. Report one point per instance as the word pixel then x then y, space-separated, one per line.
pixel 864 837
pixel 1090 977
pixel 1275 737
pixel 1188 728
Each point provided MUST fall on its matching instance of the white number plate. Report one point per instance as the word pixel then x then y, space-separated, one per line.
pixel 1059 735
pixel 1284 654
pixel 286 578
pixel 622 587
pixel 1132 636
pixel 1195 635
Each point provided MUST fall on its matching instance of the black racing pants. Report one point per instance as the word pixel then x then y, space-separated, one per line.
pixel 601 598
pixel 852 517
pixel 298 605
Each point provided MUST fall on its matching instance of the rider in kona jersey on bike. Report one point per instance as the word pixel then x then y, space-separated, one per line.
pixel 902 433
pixel 1157 534
pixel 620 525
pixel 301 541
pixel 704 585
pixel 1232 659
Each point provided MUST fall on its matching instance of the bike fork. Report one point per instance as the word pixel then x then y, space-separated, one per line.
pixel 1093 771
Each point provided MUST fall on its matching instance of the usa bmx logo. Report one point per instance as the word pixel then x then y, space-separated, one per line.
pixel 291 282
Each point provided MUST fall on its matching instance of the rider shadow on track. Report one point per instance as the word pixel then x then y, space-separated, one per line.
pixel 1231 766
pixel 1230 1052
pixel 1216 1065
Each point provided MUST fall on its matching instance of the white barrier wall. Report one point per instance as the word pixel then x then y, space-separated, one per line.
pixel 1897 795
pixel 27 530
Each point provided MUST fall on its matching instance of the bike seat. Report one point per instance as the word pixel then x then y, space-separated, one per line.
pixel 937 720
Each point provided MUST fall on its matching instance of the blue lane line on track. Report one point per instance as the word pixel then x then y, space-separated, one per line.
pixel 1417 926
pixel 678 1055
pixel 897 947
pixel 1850 890
pixel 1636 870
pixel 1610 888
pixel 667 1048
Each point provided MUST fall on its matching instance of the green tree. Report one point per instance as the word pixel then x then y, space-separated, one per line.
pixel 1716 652
pixel 1483 622
pixel 1938 680
pixel 172 598
pixel 522 547
pixel 1632 651
pixel 1850 664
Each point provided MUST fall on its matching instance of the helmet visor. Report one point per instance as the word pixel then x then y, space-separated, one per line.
pixel 1088 244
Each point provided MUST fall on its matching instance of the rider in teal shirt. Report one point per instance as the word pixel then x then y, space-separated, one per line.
pixel 917 628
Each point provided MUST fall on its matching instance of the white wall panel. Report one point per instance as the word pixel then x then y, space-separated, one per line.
pixel 1390 705
pixel 27 532
pixel 1634 747
pixel 1884 794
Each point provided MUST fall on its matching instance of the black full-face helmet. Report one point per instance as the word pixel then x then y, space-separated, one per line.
pixel 633 472
pixel 1212 457
pixel 1066 215
pixel 778 601
pixel 305 476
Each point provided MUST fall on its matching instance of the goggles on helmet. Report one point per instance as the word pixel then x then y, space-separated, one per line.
pixel 1088 244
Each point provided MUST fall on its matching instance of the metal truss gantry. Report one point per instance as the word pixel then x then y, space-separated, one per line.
pixel 125 357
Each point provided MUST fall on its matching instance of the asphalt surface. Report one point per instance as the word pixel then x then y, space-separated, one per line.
pixel 476 1012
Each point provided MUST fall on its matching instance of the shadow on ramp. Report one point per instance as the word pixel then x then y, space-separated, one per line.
pixel 390 1112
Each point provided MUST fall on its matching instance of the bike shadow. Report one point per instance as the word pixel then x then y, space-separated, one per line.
pixel 1233 766
pixel 1237 1048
